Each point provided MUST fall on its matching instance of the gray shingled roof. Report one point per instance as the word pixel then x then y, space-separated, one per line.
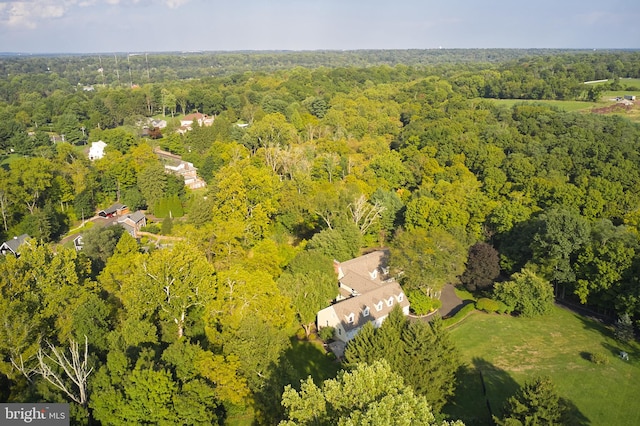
pixel 356 305
pixel 366 264
pixel 16 242
pixel 137 216
pixel 360 283
pixel 113 208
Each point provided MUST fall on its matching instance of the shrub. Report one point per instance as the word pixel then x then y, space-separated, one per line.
pixel 151 228
pixel 503 308
pixel 301 334
pixel 488 305
pixel 459 316
pixel 421 304
pixel 599 358
pixel 326 333
pixel 528 294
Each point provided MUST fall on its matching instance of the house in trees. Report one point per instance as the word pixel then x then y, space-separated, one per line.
pixel 175 165
pixel 114 210
pixel 12 246
pixel 366 294
pixel 187 121
pixel 96 151
pixel 133 223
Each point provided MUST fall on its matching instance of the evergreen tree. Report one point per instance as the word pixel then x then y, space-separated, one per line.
pixel 624 328
pixel 420 352
pixel 534 404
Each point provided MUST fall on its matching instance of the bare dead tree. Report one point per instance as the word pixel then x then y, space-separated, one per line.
pixel 24 368
pixel 365 214
pixel 75 368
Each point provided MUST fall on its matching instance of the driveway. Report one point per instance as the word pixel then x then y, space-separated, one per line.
pixel 450 302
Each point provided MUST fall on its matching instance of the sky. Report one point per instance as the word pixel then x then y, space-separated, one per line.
pixel 94 26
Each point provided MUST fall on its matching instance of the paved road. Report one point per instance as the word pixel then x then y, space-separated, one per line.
pixel 450 302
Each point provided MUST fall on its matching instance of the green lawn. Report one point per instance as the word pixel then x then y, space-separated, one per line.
pixel 508 350
pixel 624 82
pixel 310 359
pixel 567 106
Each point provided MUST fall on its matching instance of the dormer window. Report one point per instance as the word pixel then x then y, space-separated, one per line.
pixel 390 301
pixel 351 318
pixel 379 306
pixel 365 311
pixel 400 297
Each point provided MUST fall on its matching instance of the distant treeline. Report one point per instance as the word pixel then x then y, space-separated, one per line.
pixel 141 68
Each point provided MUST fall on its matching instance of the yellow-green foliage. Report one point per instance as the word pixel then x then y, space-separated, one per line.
pixel 487 305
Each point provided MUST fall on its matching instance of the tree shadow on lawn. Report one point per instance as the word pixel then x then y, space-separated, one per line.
pixel 483 390
pixel 301 360
pixel 616 348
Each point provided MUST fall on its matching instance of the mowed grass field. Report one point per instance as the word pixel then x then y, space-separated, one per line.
pixel 504 351
pixel 567 106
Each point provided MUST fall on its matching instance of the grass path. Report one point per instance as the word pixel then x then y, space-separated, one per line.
pixel 507 351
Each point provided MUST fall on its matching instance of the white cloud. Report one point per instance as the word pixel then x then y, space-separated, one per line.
pixel 174 4
pixel 28 13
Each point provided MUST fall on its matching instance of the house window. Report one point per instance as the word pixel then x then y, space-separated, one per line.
pixel 390 301
pixel 351 318
pixel 400 297
pixel 365 312
pixel 379 306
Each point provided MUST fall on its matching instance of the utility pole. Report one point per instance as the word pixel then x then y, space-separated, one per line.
pixel 129 65
pixel 147 61
pixel 117 71
pixel 101 70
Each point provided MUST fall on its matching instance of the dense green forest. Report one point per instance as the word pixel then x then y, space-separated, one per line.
pixel 311 157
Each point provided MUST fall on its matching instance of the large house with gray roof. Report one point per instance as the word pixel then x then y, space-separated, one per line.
pixel 367 294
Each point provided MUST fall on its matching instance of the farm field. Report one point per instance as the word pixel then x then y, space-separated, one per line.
pixel 605 106
pixel 567 106
pixel 505 351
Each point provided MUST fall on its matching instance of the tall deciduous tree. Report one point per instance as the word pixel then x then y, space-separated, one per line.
pixel 527 293
pixel 311 284
pixel 561 233
pixel 30 178
pixel 173 284
pixel 370 394
pixel 427 260
pixel 483 267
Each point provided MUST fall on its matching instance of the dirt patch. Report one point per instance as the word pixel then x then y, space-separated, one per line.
pixel 615 108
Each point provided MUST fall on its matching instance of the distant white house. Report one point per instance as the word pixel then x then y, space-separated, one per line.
pixel 159 124
pixel 187 122
pixel 96 151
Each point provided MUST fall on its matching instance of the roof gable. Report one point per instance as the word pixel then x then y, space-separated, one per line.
pixel 14 243
pixel 371 300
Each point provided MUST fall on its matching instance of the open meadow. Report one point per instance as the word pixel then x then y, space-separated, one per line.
pixel 501 352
